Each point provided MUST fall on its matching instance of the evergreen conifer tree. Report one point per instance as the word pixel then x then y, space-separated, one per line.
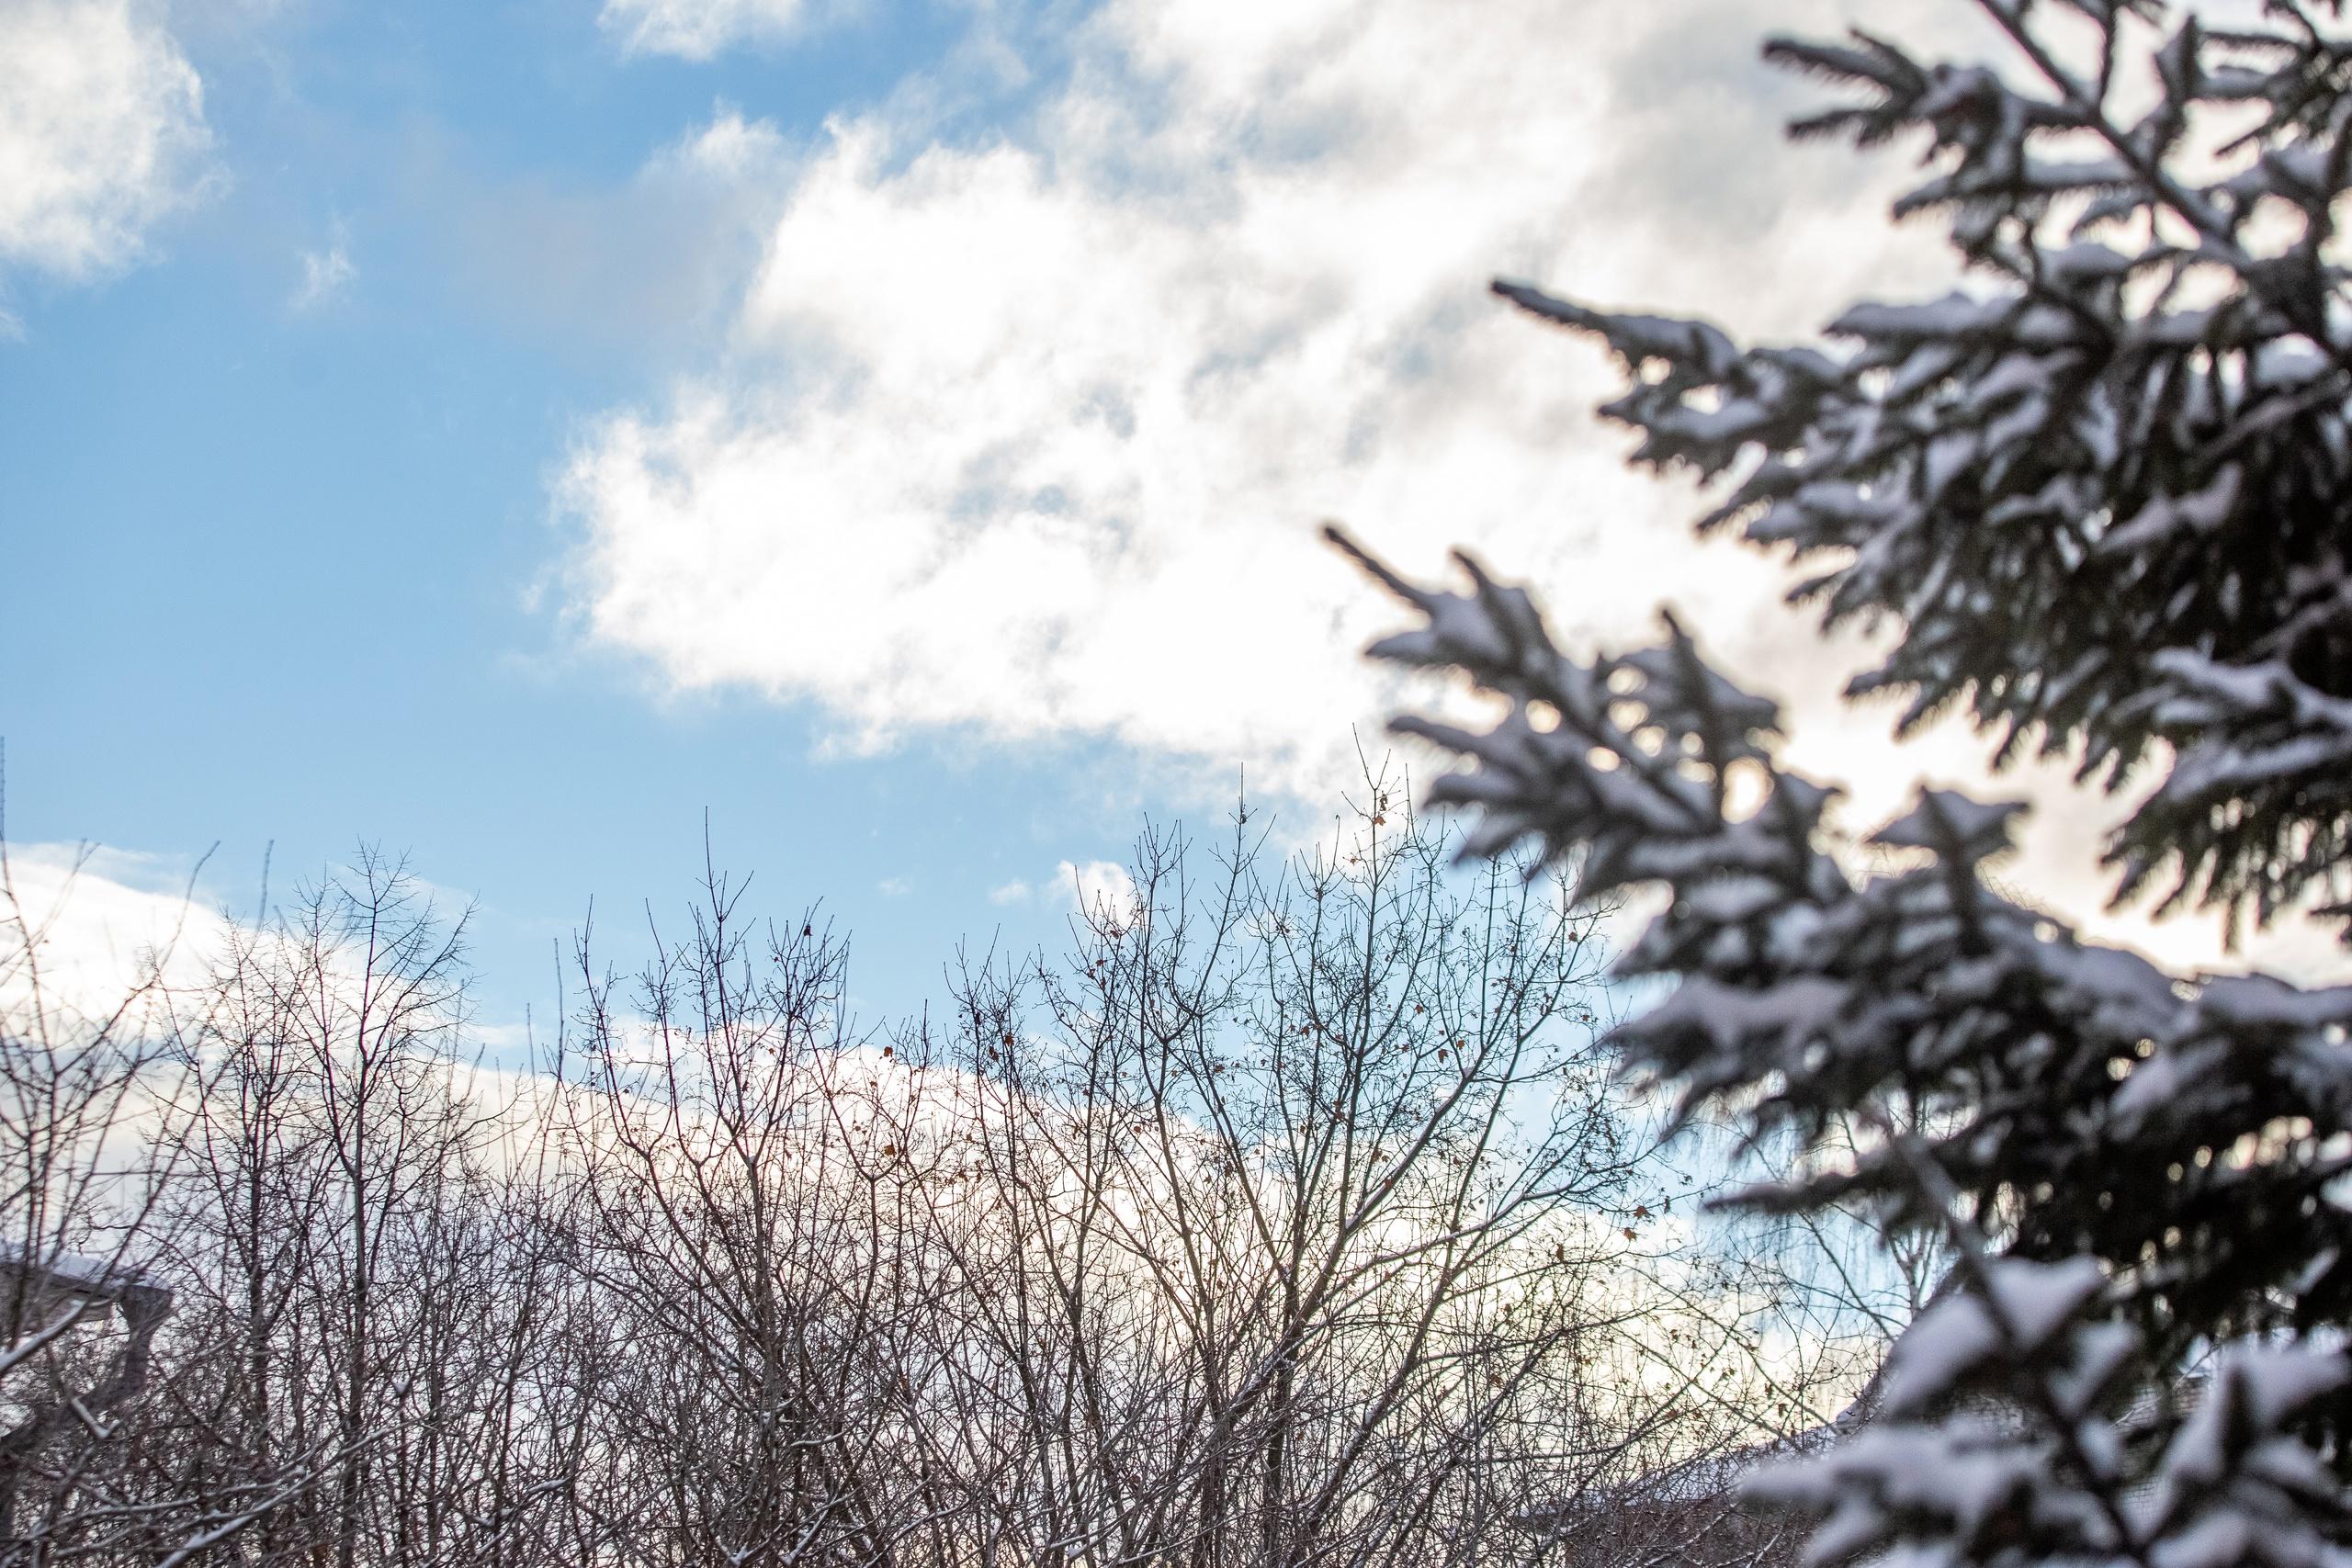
pixel 2104 498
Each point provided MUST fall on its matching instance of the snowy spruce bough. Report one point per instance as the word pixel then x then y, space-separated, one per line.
pixel 2102 497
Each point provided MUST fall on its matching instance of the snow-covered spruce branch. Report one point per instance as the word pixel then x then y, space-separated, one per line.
pixel 2073 1096
pixel 2136 430
pixel 2102 502
pixel 1924 986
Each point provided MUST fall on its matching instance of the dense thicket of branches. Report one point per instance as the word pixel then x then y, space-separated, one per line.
pixel 2099 500
pixel 1293 1219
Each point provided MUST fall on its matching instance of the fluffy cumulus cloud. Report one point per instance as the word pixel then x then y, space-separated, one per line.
pixel 102 132
pixel 1029 435
pixel 1033 434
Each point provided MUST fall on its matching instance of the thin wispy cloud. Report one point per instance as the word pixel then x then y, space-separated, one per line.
pixel 697 29
pixel 1084 887
pixel 327 275
pixel 655 261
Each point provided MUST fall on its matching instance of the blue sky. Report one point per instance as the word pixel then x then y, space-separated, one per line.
pixel 275 569
pixel 515 431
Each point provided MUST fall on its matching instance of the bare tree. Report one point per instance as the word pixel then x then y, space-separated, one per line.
pixel 340 1247
pixel 1294 1217
pixel 732 1234
pixel 1316 1214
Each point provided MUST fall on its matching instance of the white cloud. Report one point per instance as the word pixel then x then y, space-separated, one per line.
pixel 697 29
pixel 327 275
pixel 83 931
pixel 1079 886
pixel 102 132
pixel 1102 886
pixel 894 888
pixel 1031 436
pixel 90 934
